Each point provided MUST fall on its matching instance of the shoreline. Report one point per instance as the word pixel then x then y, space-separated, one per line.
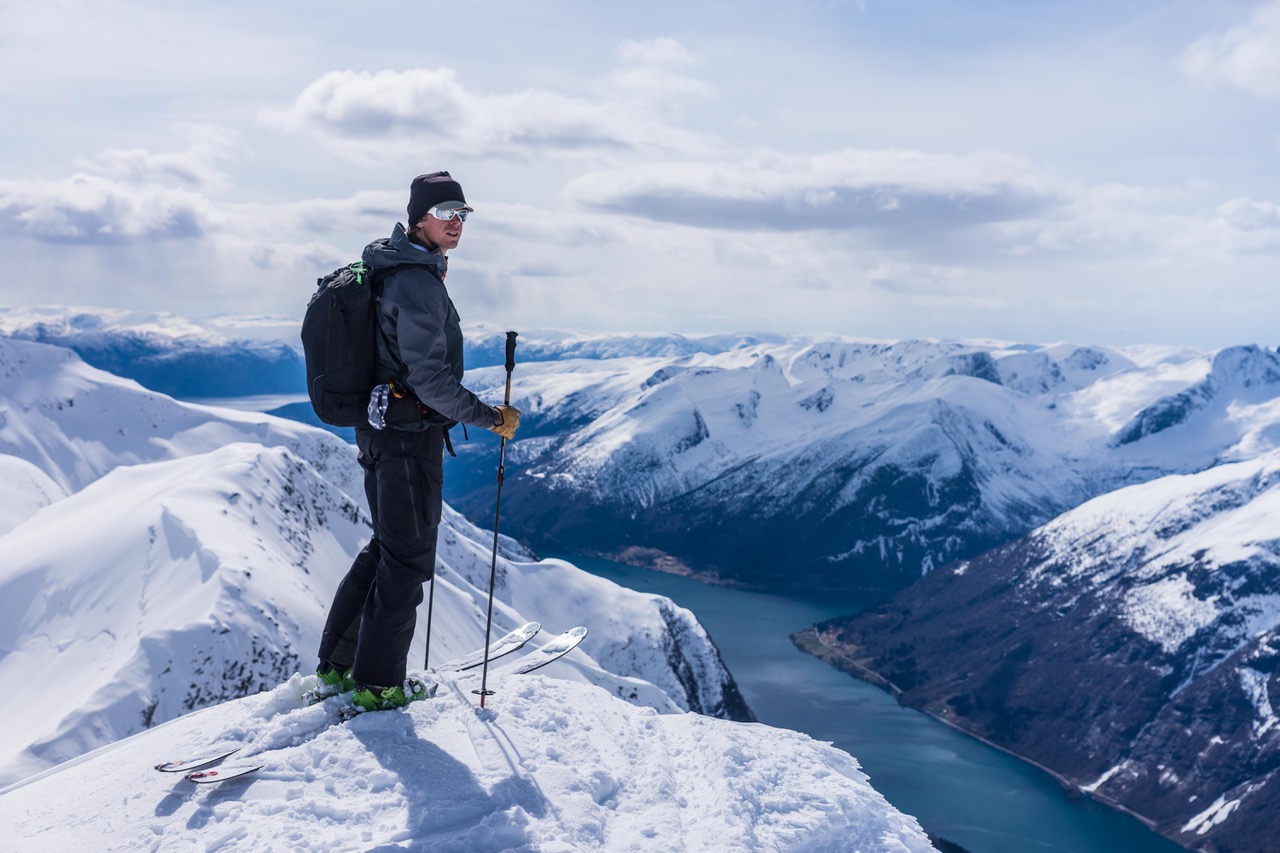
pixel 810 642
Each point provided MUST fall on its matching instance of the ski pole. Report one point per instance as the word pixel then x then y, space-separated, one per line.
pixel 497 510
pixel 431 600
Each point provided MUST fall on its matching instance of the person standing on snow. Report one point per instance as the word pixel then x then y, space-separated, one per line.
pixel 365 644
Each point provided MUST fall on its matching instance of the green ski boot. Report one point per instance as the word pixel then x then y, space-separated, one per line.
pixel 330 681
pixel 371 698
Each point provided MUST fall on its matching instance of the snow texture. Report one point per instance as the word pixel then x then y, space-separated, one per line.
pixel 549 766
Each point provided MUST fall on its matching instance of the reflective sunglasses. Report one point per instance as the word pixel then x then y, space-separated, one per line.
pixel 448 213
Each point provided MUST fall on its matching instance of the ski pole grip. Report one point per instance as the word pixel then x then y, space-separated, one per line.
pixel 511 351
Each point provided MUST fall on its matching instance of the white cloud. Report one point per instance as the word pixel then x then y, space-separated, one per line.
pixel 194 167
pixel 89 209
pixel 124 195
pixel 889 190
pixel 367 115
pixel 1249 215
pixel 1246 56
pixel 659 51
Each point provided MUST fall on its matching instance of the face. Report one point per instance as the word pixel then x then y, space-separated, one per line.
pixel 437 232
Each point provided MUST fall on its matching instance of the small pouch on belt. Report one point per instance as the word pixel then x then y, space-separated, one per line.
pixel 379 400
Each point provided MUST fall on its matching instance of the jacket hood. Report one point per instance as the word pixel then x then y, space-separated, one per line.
pixel 396 250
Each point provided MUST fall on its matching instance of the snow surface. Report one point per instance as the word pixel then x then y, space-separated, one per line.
pixel 26 489
pixel 548 766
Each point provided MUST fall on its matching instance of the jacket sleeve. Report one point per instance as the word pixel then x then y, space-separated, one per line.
pixel 419 309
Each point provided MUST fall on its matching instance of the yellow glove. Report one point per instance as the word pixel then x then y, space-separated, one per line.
pixel 508 423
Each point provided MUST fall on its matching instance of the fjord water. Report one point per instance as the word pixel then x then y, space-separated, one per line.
pixel 958 788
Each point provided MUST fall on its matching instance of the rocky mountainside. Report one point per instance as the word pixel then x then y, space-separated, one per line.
pixel 1131 646
pixel 162 557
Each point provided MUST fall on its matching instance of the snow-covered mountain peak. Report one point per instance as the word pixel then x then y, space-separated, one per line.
pixel 1247 367
pixel 161 588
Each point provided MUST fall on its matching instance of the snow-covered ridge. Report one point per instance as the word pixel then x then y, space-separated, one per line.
pixel 1193 558
pixel 550 766
pixel 175 556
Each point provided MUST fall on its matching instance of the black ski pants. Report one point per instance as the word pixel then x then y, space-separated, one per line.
pixel 371 622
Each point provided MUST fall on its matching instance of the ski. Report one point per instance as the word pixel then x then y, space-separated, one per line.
pixel 501 647
pixel 498 648
pixel 221 774
pixel 557 648
pixel 194 763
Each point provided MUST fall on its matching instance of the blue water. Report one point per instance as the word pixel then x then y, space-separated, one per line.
pixel 958 788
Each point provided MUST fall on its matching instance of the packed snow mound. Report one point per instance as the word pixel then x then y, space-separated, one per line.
pixel 549 766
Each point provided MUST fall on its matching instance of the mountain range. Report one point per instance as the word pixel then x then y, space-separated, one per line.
pixel 167 353
pixel 876 461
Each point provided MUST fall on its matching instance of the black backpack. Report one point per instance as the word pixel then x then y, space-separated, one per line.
pixel 340 345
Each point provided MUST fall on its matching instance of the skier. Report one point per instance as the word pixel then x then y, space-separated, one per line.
pixel 366 638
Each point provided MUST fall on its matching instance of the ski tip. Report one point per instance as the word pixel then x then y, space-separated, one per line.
pixel 203 777
pixel 189 764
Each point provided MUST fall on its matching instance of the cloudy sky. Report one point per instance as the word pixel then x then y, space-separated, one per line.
pixel 1100 172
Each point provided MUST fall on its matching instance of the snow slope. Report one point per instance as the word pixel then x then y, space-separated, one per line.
pixel 549 766
pixel 194 559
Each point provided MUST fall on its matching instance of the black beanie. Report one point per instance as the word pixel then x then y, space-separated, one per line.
pixel 427 191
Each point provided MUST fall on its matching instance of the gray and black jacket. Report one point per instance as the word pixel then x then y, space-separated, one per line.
pixel 421 341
